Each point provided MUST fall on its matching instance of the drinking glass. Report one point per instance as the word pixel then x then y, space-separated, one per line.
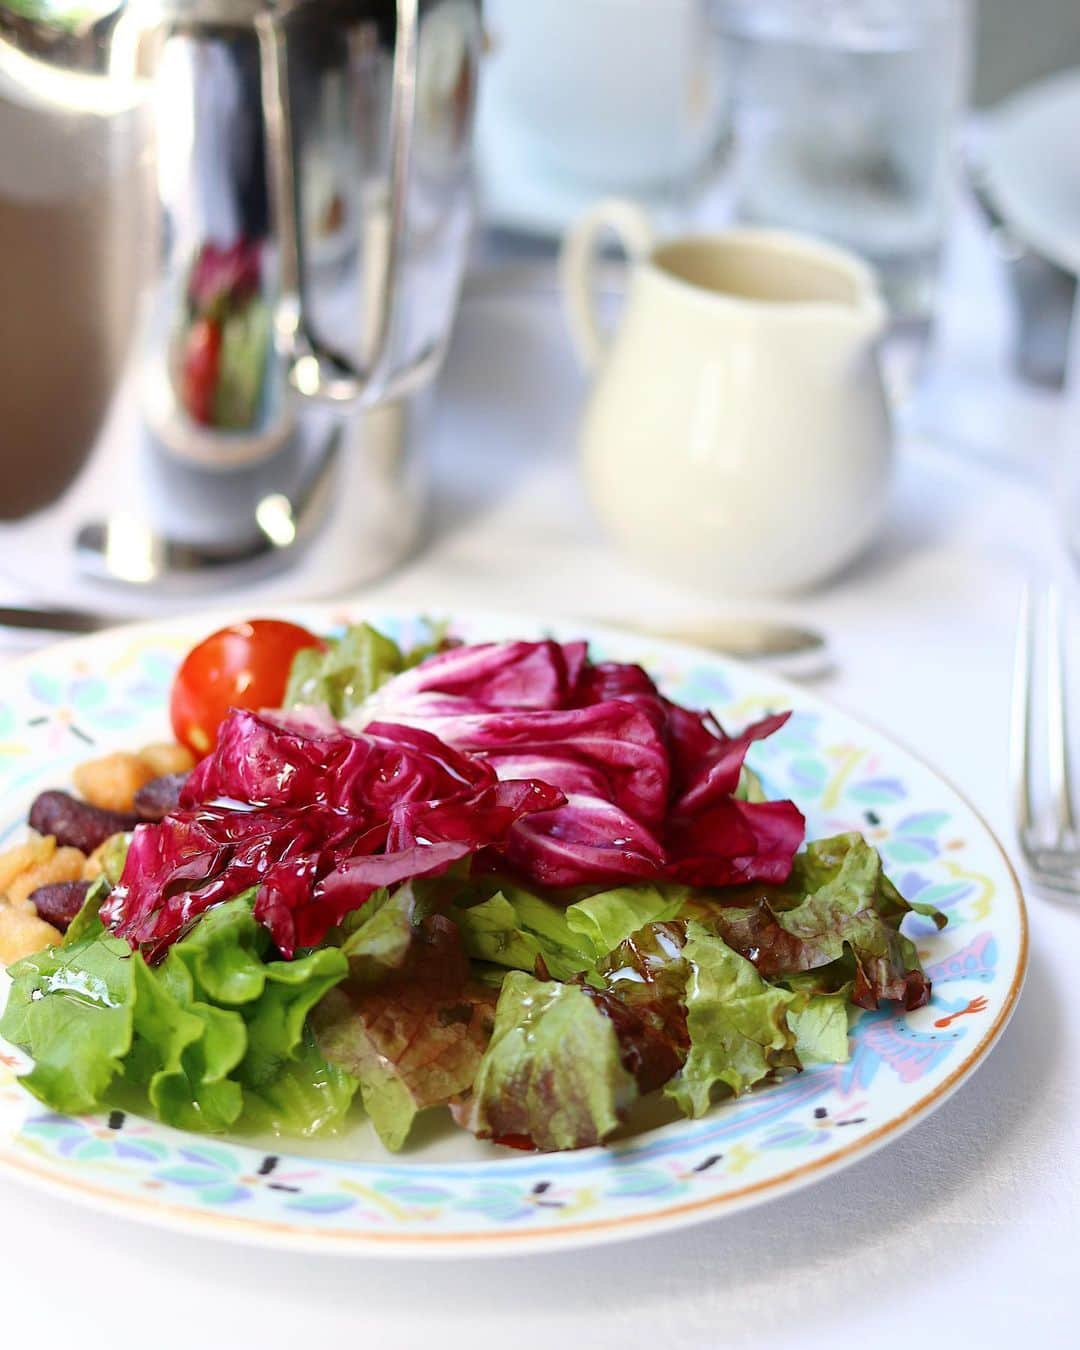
pixel 843 119
pixel 1067 485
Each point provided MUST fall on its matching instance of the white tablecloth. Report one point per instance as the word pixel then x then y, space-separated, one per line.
pixel 964 1231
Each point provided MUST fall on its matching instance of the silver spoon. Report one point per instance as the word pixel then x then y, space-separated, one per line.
pixel 797 652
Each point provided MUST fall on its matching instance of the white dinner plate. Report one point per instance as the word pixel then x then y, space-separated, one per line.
pixel 448 1194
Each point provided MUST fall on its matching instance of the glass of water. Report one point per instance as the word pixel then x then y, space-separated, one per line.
pixel 843 117
pixel 1066 484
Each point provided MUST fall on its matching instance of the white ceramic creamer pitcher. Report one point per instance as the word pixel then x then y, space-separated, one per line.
pixel 737 435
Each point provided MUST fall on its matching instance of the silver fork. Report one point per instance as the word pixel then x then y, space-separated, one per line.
pixel 1048 834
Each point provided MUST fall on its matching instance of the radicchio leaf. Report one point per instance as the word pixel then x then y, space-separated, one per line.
pixel 317 819
pixel 650 786
pixel 493 676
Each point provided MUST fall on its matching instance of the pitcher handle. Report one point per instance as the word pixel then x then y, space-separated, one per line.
pixel 314 370
pixel 631 227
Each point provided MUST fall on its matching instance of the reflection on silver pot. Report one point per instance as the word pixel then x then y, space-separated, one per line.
pixel 287 223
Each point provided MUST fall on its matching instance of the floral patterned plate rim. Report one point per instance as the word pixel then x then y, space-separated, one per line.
pixel 451 1195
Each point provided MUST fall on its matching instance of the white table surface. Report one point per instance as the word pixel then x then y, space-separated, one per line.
pixel 964 1232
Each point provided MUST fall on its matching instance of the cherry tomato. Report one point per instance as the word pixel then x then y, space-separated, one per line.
pixel 243 666
pixel 202 360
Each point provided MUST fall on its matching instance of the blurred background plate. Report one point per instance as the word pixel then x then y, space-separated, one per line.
pixel 1032 170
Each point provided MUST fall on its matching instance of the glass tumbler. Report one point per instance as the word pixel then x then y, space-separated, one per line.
pixel 1067 484
pixel 844 112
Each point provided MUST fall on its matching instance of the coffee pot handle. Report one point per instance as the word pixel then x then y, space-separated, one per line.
pixel 630 226
pixel 315 371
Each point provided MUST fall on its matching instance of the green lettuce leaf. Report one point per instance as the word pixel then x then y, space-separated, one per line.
pixel 87 922
pixel 352 668
pixel 838 915
pixel 69 1008
pixel 641 987
pixel 306 1096
pixel 384 931
pixel 223 952
pixel 183 1049
pixel 390 1103
pixel 820 1025
pixel 284 1083
pixel 112 855
pixel 214 1034
pixel 692 1013
pixel 852 906
pixel 564 951
pixel 275 1021
pixel 552 1073
pixel 410 1024
pixel 514 927
pixel 491 931
pixel 737 1023
pixel 604 920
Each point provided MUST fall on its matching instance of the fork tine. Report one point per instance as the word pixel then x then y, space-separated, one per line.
pixel 1020 718
pixel 1057 718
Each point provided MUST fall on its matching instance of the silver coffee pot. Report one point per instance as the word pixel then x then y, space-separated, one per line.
pixel 292 221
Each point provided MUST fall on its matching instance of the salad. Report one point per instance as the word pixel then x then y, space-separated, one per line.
pixel 504 880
